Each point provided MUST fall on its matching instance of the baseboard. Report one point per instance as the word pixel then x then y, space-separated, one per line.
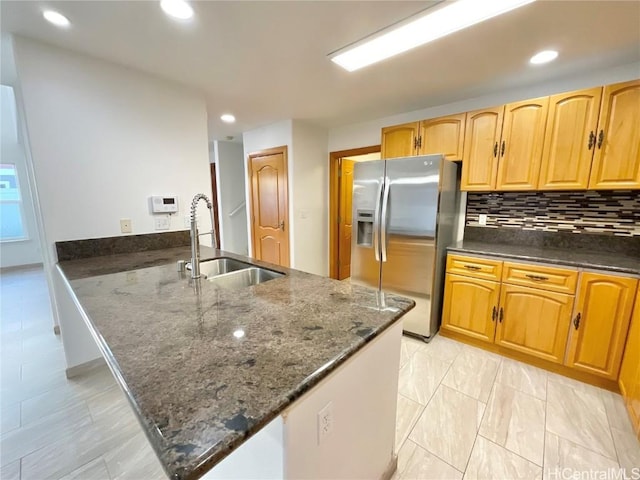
pixel 391 468
pixel 56 329
pixel 85 368
pixel 15 268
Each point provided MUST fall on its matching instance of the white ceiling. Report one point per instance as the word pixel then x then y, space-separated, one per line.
pixel 266 61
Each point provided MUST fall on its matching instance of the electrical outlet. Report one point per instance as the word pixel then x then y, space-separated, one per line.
pixel 482 219
pixel 325 422
pixel 162 223
pixel 125 225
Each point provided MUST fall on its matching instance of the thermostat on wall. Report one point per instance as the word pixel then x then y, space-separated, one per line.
pixel 161 204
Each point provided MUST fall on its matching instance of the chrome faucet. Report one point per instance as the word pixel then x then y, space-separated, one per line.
pixel 195 236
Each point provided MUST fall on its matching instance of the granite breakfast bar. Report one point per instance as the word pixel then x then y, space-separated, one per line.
pixel 231 383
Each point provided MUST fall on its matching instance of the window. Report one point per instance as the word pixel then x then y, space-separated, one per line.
pixel 11 218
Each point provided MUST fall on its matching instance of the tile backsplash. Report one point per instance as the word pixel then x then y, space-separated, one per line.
pixel 596 212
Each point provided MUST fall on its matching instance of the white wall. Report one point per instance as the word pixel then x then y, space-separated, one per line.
pixel 104 138
pixel 231 172
pixel 20 252
pixel 309 177
pixel 101 139
pixel 368 133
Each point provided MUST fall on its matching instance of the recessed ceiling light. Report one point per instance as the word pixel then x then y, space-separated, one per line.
pixel 228 118
pixel 238 333
pixel 544 57
pixel 177 9
pixel 56 18
pixel 422 28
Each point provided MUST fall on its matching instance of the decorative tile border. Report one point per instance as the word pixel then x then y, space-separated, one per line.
pixel 597 212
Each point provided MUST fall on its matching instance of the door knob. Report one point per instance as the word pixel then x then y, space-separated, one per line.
pixel 282 225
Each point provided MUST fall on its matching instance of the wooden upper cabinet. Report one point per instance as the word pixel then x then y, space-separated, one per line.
pixel 470 305
pixel 600 324
pixel 480 156
pixel 570 140
pixel 534 321
pixel 616 161
pixel 400 140
pixel 521 144
pixel 629 380
pixel 443 135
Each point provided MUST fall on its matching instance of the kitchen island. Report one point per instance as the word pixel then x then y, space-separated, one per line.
pixel 220 377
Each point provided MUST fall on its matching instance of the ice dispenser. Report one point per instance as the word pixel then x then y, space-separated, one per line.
pixel 364 219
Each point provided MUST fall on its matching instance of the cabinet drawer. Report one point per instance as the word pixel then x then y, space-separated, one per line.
pixel 474 267
pixel 547 278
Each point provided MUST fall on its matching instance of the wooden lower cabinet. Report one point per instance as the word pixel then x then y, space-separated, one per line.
pixel 601 321
pixel 469 306
pixel 534 321
pixel 629 380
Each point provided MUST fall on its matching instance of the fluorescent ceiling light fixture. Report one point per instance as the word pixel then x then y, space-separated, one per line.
pixel 177 9
pixel 228 118
pixel 56 18
pixel 422 28
pixel 544 57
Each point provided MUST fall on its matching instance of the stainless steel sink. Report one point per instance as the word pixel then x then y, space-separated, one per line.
pixel 220 266
pixel 244 278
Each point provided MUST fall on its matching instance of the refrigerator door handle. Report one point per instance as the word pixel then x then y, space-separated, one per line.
pixel 383 219
pixel 376 222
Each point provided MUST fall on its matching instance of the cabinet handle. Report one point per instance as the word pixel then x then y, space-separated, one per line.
pixel 576 321
pixel 501 314
pixel 538 278
pixel 494 314
pixel 600 139
pixel 420 141
pixel 592 140
pixel 472 267
pixel 415 143
pixel 504 144
pixel 495 150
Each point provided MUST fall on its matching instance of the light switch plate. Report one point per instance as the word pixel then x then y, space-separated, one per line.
pixel 482 219
pixel 161 223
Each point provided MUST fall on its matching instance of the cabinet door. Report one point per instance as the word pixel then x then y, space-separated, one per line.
pixel 480 156
pixel 521 144
pixel 629 380
pixel 570 140
pixel 443 135
pixel 616 161
pixel 534 321
pixel 469 304
pixel 400 140
pixel 600 324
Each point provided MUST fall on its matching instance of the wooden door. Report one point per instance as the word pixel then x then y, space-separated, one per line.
pixel 400 140
pixel 600 324
pixel 443 135
pixel 269 205
pixel 469 306
pixel 521 144
pixel 629 380
pixel 534 321
pixel 616 161
pixel 345 218
pixel 480 155
pixel 214 202
pixel 570 140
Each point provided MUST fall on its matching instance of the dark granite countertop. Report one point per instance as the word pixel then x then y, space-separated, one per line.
pixel 206 368
pixel 613 262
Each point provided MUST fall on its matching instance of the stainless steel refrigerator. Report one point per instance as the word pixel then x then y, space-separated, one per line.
pixel 404 217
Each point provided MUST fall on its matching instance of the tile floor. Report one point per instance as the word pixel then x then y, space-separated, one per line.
pixel 462 412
